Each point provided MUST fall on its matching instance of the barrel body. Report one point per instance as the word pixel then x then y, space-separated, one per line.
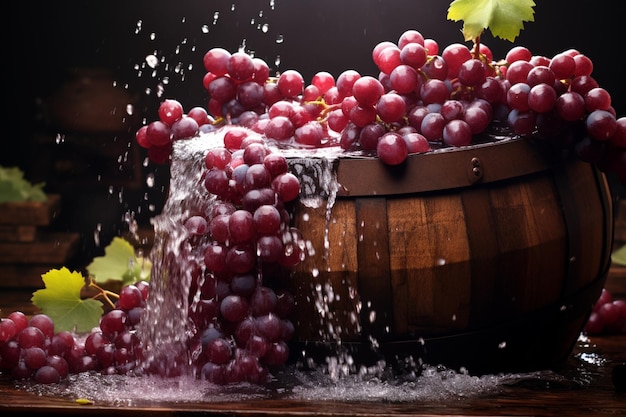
pixel 487 258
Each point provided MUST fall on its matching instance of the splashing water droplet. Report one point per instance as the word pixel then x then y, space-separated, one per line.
pixel 502 345
pixel 216 16
pixel 280 38
pixel 152 61
pixel 205 29
pixel 96 234
pixel 152 36
pixel 150 180
pixel 130 109
pixel 265 28
pixel 59 139
pixel 277 60
pixel 372 316
pixel 441 261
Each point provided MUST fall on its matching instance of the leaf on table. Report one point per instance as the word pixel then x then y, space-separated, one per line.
pixel 61 301
pixel 504 18
pixel 618 256
pixel 119 263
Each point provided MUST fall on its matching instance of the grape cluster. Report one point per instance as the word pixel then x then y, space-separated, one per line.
pixel 240 315
pixel 31 349
pixel 239 310
pixel 607 316
pixel 426 97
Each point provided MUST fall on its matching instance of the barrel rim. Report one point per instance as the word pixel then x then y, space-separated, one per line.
pixel 442 169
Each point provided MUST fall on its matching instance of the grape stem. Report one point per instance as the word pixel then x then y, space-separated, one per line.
pixel 104 293
pixel 477 47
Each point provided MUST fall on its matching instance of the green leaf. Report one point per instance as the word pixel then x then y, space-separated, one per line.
pixel 61 301
pixel 119 263
pixel 619 256
pixel 504 18
pixel 14 187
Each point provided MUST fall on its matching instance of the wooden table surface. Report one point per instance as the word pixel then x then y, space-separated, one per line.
pixel 585 389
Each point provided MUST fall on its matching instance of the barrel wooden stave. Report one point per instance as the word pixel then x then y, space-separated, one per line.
pixel 451 262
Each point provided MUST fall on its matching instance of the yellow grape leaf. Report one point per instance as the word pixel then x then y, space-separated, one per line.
pixel 504 18
pixel 619 256
pixel 61 301
pixel 119 263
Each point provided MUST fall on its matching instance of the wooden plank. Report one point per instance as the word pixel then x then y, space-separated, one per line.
pixel 30 212
pixel 17 233
pixel 52 248
pixel 23 276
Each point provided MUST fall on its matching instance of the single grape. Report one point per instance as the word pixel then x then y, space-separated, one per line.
pixel 392 149
pixel 234 308
pixel 130 295
pixel 240 66
pixel 47 375
pixel 31 337
pixel 8 330
pixel 391 107
pixel 170 111
pixel 290 83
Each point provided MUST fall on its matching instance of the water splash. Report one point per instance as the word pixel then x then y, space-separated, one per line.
pixel 165 327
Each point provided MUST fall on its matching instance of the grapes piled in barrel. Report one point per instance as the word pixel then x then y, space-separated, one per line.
pixel 431 97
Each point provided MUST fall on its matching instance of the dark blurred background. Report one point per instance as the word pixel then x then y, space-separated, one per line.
pixel 74 66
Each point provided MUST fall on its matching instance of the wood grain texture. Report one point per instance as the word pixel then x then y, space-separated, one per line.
pixel 468 259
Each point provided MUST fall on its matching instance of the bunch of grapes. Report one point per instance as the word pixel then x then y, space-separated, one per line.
pixel 238 304
pixel 422 98
pixel 30 349
pixel 607 316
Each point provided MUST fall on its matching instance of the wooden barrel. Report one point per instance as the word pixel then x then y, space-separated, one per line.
pixel 488 258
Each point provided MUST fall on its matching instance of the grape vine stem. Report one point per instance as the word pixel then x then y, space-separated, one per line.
pixel 104 293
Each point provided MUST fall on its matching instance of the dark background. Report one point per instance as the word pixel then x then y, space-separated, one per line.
pixel 47 40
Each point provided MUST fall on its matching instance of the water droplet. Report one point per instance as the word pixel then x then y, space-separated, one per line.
pixel 441 261
pixel 265 27
pixel 277 60
pixel 150 180
pixel 216 16
pixel 152 36
pixel 315 272
pixel 372 316
pixel 502 345
pixel 130 109
pixel 205 28
pixel 96 234
pixel 280 38
pixel 59 139
pixel 152 61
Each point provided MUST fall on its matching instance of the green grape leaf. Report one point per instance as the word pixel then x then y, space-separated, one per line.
pixel 61 301
pixel 14 187
pixel 119 263
pixel 619 256
pixel 504 18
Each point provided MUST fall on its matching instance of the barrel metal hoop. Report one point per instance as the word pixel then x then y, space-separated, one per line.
pixel 441 170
